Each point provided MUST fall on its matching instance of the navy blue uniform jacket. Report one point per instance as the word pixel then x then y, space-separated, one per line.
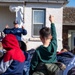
pixel 16 31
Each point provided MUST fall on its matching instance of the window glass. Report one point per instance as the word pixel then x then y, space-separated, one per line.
pixel 38 20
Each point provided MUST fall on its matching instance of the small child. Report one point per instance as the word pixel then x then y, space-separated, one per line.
pixel 45 53
pixel 27 61
pixel 65 56
pixel 13 60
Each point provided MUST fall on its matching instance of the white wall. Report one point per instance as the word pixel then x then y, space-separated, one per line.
pixel 51 9
pixel 6 17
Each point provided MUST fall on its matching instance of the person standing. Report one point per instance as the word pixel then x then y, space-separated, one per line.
pixel 15 30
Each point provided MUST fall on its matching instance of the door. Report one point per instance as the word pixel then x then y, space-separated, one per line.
pixel 73 40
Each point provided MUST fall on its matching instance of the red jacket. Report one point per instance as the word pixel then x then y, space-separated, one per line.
pixel 14 56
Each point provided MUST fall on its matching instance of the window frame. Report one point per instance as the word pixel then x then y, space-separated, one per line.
pixel 43 24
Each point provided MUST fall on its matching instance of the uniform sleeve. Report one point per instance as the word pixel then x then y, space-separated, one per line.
pixel 6 30
pixel 34 63
pixel 5 63
pixel 24 32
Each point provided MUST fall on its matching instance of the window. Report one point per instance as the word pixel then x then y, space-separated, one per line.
pixel 38 21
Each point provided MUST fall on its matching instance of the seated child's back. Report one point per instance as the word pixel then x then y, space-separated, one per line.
pixel 45 53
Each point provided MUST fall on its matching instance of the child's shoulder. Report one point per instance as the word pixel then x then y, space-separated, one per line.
pixel 39 47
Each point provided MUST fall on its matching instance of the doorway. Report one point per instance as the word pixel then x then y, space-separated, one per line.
pixel 71 39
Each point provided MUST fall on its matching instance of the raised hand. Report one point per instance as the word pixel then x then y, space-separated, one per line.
pixel 22 27
pixel 51 19
pixel 6 26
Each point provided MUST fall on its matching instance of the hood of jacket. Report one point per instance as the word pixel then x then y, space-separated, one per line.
pixel 46 54
pixel 10 42
pixel 11 45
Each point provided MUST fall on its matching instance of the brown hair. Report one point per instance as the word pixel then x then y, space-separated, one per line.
pixel 45 32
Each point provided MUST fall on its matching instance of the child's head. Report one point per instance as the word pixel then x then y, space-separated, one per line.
pixel 10 42
pixel 65 48
pixel 22 45
pixel 45 34
pixel 15 24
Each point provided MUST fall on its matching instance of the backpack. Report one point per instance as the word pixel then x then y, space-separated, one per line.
pixel 49 69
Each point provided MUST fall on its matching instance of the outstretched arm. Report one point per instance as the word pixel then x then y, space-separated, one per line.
pixel 53 30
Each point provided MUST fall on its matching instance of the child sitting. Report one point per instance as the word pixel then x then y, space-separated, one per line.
pixel 45 53
pixel 13 60
pixel 27 62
